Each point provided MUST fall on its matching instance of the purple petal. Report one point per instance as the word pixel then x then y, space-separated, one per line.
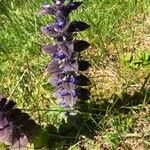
pixel 50 49
pixel 55 80
pixel 47 9
pixel 64 103
pixel 69 100
pixel 69 67
pixel 53 67
pixel 66 49
pixel 21 142
pixel 60 93
pixel 6 135
pixel 65 90
pixel 61 26
pixel 69 87
pixel 48 30
pixel 69 47
pixel 59 50
pixel 3 122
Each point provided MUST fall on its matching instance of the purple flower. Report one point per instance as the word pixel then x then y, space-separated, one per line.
pixel 60 10
pixel 60 50
pixel 61 25
pixel 16 127
pixel 48 30
pixel 47 9
pixel 63 28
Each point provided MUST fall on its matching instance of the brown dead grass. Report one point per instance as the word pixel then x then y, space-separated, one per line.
pixel 108 78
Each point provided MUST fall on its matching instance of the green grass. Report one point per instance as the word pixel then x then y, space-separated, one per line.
pixel 120 77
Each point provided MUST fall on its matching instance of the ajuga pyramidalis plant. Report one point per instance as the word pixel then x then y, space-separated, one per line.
pixel 67 64
pixel 17 129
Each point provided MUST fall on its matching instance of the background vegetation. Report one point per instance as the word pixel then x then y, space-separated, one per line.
pixel 117 115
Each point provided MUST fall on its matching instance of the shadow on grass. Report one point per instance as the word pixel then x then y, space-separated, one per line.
pixel 87 123
pixel 71 133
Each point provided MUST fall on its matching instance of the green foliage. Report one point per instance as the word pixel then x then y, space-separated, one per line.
pixel 136 60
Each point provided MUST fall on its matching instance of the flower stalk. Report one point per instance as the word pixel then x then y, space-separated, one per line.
pixel 67 64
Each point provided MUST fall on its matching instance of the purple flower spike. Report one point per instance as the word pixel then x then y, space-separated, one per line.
pixel 16 127
pixel 66 66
